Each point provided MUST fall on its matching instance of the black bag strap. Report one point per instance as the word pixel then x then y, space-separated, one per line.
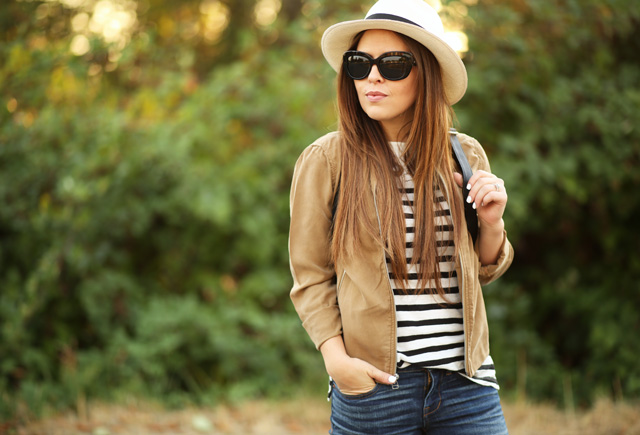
pixel 470 214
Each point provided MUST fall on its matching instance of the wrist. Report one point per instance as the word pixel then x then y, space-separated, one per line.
pixel 496 229
pixel 334 353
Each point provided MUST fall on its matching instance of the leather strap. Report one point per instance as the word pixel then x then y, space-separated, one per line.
pixel 470 214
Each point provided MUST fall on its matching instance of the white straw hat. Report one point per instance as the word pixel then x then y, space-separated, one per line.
pixel 413 18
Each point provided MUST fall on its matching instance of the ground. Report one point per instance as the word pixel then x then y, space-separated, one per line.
pixel 307 416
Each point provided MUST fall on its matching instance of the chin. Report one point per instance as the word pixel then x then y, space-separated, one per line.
pixel 378 115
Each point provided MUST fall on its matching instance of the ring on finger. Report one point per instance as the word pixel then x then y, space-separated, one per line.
pixel 497 186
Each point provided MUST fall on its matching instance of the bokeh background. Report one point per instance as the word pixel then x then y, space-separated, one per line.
pixel 146 153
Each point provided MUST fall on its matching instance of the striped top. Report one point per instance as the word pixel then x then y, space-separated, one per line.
pixel 429 327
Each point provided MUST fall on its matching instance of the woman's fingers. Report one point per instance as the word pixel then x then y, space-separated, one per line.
pixel 485 188
pixel 457 176
pixel 490 192
pixel 380 376
pixel 359 377
pixel 488 196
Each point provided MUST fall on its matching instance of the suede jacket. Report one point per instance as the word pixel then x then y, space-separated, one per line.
pixel 353 298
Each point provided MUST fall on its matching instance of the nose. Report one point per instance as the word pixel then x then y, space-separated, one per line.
pixel 374 75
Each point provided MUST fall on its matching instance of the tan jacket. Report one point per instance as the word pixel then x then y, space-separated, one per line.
pixel 354 299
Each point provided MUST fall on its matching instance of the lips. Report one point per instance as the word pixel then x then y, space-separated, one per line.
pixel 375 96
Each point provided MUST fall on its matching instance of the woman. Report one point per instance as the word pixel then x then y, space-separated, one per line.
pixel 386 276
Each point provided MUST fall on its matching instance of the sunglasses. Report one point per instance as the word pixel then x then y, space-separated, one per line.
pixel 393 65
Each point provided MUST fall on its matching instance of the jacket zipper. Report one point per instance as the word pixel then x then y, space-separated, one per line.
pixel 344 272
pixel 464 323
pixel 339 286
pixel 395 314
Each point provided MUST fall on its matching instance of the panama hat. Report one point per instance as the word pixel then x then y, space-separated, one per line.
pixel 413 18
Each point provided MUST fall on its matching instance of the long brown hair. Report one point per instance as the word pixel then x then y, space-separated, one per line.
pixel 367 156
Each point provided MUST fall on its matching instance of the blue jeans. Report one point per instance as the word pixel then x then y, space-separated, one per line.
pixel 424 401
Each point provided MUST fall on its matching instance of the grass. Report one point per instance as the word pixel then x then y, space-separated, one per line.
pixel 307 416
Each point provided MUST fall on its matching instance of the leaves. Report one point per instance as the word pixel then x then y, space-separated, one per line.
pixel 144 192
pixel 551 96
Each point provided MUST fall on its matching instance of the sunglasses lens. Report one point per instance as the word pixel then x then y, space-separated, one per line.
pixel 391 65
pixel 358 66
pixel 396 67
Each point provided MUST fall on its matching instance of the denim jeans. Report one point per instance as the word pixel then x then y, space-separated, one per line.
pixel 424 401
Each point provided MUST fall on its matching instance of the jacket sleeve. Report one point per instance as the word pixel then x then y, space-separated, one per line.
pixel 479 161
pixel 314 284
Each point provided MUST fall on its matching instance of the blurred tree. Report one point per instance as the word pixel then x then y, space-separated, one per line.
pixel 145 207
pixel 553 95
pixel 144 178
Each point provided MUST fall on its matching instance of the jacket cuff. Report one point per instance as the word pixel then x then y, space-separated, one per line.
pixel 323 325
pixel 491 272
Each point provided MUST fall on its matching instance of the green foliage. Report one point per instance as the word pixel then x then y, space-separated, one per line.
pixel 144 192
pixel 144 223
pixel 553 96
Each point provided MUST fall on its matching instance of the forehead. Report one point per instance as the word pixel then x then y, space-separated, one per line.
pixel 376 42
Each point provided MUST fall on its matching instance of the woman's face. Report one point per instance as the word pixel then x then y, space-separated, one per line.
pixel 388 102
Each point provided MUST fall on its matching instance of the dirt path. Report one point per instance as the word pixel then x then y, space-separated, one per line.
pixel 309 417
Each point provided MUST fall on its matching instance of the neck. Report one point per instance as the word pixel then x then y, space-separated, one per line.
pixel 391 132
pixel 396 130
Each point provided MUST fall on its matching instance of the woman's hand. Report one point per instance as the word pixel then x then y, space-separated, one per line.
pixel 489 198
pixel 351 375
pixel 355 376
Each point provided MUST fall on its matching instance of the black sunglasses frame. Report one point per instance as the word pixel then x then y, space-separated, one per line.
pixel 404 55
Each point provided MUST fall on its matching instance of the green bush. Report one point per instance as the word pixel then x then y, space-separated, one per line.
pixel 144 228
pixel 144 217
pixel 553 96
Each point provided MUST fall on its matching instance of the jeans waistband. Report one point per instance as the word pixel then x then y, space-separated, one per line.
pixel 413 368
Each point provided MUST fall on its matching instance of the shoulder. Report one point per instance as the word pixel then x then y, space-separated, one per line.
pixel 329 145
pixel 323 152
pixel 475 153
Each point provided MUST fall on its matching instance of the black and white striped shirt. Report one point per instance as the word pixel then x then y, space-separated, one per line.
pixel 429 328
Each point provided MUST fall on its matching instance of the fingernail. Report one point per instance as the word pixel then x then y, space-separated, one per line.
pixel 474 205
pixel 392 379
pixel 469 186
pixel 469 199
